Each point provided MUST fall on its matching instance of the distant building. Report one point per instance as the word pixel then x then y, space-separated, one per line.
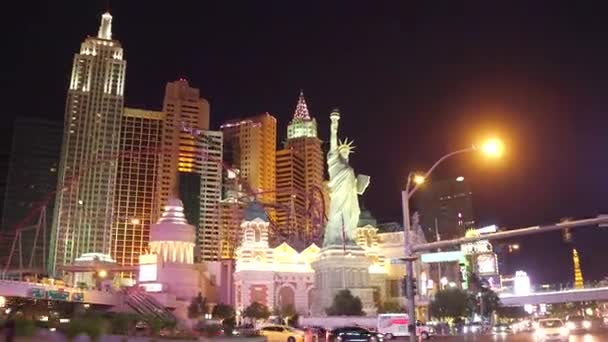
pixel 136 184
pixel 446 209
pixel 300 188
pixel 168 272
pixel 250 152
pixel 31 178
pixel 208 233
pixel 253 151
pixel 291 196
pixel 186 113
pixel 91 138
pixel 192 164
pixel 283 276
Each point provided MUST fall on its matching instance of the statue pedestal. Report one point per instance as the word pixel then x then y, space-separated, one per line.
pixel 336 270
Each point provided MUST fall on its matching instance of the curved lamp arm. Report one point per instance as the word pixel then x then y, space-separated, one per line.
pixel 428 173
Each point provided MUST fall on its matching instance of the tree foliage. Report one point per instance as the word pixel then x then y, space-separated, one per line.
pixel 198 307
pixel 256 311
pixel 222 311
pixel 512 312
pixel 450 303
pixel 345 304
pixel 491 302
pixel 391 306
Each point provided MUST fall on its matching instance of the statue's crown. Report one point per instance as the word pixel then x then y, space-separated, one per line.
pixel 346 145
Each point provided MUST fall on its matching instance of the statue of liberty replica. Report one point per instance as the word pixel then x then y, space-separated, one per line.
pixel 344 188
pixel 342 264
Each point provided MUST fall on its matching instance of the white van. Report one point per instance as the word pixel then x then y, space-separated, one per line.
pixel 395 325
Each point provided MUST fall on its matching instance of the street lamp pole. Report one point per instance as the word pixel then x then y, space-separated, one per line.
pixel 409 257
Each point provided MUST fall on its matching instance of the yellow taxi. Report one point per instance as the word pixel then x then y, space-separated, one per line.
pixel 282 333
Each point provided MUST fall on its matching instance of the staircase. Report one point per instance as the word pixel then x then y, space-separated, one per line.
pixel 146 305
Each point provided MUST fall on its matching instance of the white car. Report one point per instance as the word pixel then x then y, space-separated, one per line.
pixel 551 329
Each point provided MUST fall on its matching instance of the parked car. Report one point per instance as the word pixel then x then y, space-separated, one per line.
pixel 282 333
pixel 551 329
pixel 353 334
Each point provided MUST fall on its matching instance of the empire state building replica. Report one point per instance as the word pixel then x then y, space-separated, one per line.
pixel 86 181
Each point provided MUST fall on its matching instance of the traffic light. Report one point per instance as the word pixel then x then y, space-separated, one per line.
pixel 404 286
pixel 567 235
pixel 566 232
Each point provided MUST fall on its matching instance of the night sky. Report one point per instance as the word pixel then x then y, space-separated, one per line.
pixel 413 82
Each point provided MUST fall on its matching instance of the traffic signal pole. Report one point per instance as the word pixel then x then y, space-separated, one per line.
pixel 590 222
pixel 411 249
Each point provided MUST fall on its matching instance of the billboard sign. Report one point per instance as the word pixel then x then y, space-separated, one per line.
pixel 430 258
pixel 479 247
pixel 486 264
pixel 37 293
pixel 59 295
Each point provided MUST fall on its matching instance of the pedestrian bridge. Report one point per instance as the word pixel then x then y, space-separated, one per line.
pixel 12 288
pixel 135 298
pixel 572 295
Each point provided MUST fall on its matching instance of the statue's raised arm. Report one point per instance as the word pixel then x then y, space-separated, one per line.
pixel 333 138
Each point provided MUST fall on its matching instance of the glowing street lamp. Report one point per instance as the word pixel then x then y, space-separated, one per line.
pixel 492 148
pixel 419 179
pixel 102 273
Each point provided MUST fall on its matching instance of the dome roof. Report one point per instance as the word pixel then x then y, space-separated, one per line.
pixel 172 225
pixel 255 210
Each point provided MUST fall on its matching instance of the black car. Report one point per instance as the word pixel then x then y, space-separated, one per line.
pixel 353 334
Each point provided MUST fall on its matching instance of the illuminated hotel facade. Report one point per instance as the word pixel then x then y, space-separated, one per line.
pixel 191 163
pixel 136 184
pixel 185 112
pixel 252 151
pixel 300 172
pixel 84 202
pixel 291 195
pixel 208 232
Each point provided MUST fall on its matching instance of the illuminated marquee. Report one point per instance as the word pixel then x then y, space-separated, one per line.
pixel 486 264
pixel 479 247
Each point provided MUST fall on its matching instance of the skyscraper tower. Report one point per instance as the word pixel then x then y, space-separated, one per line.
pixel 253 144
pixel 446 209
pixel 186 113
pixel 578 274
pixel 32 176
pixel 191 167
pixel 302 147
pixel 136 184
pixel 87 172
pixel 291 197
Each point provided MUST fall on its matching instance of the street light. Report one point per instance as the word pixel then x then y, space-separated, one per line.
pixel 491 148
pixel 419 179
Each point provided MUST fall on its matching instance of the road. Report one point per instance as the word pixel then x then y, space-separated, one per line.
pixel 598 337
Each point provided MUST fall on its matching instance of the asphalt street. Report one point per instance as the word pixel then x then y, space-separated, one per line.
pixel 523 337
